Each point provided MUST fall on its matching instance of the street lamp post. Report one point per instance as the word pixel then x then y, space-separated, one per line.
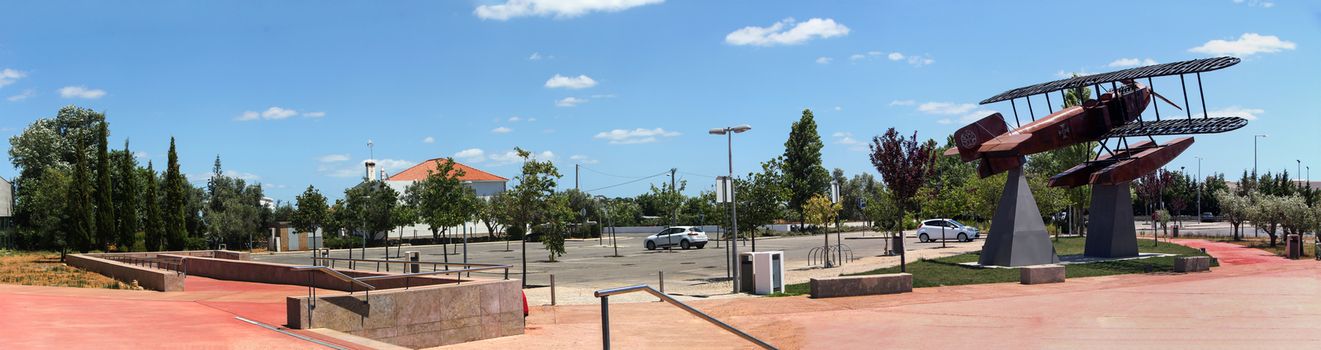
pixel 733 205
pixel 1254 152
pixel 1200 183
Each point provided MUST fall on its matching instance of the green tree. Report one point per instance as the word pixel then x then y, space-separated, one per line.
pixel 105 203
pixel 491 211
pixel 820 211
pixel 79 203
pixel 233 211
pixel 153 227
pixel 311 212
pixel 536 184
pixel 441 200
pixel 804 176
pixel 1269 212
pixel 558 212
pixel 126 198
pixel 760 197
pixel 173 213
pixel 49 216
pixel 369 206
pixel 1235 209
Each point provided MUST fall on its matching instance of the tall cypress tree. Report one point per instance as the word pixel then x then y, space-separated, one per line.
pixel 105 204
pixel 126 195
pixel 173 215
pixel 79 222
pixel 152 224
pixel 803 173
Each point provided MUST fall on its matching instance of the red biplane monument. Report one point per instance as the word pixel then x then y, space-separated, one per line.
pixel 1018 236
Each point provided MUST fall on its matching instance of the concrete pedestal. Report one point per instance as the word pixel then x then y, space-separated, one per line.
pixel 1110 231
pixel 1018 237
pixel 1041 274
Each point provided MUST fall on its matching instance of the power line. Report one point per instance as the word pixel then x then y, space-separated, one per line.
pixel 628 182
pixel 609 174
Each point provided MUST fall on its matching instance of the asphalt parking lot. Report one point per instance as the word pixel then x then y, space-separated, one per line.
pixel 588 262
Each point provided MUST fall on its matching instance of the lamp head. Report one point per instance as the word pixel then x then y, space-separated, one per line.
pixel 741 128
pixel 716 131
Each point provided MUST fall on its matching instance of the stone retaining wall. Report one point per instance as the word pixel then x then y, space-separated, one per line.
pixel 149 278
pixel 263 272
pixel 419 317
pixel 847 286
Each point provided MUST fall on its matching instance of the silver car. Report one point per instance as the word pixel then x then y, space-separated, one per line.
pixel 681 236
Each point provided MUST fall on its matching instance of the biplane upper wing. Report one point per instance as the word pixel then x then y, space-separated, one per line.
pixel 1157 70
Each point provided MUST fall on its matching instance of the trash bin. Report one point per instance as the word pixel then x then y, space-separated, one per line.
pixel 1176 231
pixel 412 268
pixel 1294 246
pixel 761 272
pixel 897 244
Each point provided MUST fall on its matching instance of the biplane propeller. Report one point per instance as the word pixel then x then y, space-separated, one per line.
pixel 1114 114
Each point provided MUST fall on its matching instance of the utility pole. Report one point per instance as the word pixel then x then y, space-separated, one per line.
pixel 675 191
pixel 575 176
pixel 1200 183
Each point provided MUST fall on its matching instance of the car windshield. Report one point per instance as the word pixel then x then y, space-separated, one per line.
pixel 695 229
pixel 956 223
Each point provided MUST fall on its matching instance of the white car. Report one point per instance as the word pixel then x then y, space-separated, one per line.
pixel 681 236
pixel 936 229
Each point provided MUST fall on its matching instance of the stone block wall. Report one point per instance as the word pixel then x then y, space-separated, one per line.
pixel 419 317
pixel 149 278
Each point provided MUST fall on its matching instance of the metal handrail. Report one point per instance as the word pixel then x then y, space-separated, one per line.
pixel 336 274
pixel 416 274
pixel 605 294
pixel 407 262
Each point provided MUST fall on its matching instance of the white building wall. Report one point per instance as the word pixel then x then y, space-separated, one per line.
pixel 482 188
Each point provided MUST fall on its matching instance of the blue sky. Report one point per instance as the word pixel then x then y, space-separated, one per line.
pixel 289 92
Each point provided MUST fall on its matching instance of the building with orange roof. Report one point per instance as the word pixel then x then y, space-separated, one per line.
pixel 484 183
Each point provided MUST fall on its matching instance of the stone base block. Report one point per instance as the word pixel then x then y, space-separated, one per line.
pixel 1192 264
pixel 847 286
pixel 1039 274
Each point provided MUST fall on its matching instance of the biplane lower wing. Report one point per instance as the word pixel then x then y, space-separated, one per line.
pixel 1081 174
pixel 1141 163
pixel 1178 126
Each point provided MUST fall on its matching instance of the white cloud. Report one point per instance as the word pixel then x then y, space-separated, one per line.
pixel 975 115
pixel 1236 111
pixel 9 76
pixel 471 155
pixel 902 102
pixel 777 34
pixel 515 119
pixel 242 175
pixel 945 108
pixel 578 82
pixel 391 165
pixel 1131 62
pixel 581 159
pixel 838 108
pixel 919 61
pixel 81 92
pixel 536 56
pixel 857 56
pixel 639 135
pixel 846 138
pixel 1256 3
pixel 333 158
pixel 557 8
pixel 1062 74
pixel 944 121
pixel 1246 45
pixel 501 130
pixel 895 56
pixel 22 95
pixel 570 101
pixel 275 113
pixel 824 60
pixel 428 139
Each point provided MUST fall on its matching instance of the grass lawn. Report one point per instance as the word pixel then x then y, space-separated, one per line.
pixel 45 269
pixel 947 271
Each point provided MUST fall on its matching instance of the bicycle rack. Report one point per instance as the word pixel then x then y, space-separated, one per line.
pixel 838 254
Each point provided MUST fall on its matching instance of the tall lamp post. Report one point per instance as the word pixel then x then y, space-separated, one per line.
pixel 733 206
pixel 1254 152
pixel 1200 183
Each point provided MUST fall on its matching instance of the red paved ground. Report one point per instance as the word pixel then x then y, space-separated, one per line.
pixel 200 317
pixel 1253 301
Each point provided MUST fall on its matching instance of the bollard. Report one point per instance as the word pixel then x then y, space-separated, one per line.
pixel 662 282
pixel 552 289
pixel 413 267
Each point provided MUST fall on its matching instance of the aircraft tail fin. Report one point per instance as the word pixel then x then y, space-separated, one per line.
pixel 970 138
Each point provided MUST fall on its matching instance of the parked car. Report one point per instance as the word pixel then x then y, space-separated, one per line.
pixel 1208 217
pixel 680 236
pixel 932 230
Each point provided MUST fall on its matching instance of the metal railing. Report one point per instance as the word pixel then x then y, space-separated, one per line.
pixel 435 266
pixel 837 255
pixel 605 294
pixel 163 263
